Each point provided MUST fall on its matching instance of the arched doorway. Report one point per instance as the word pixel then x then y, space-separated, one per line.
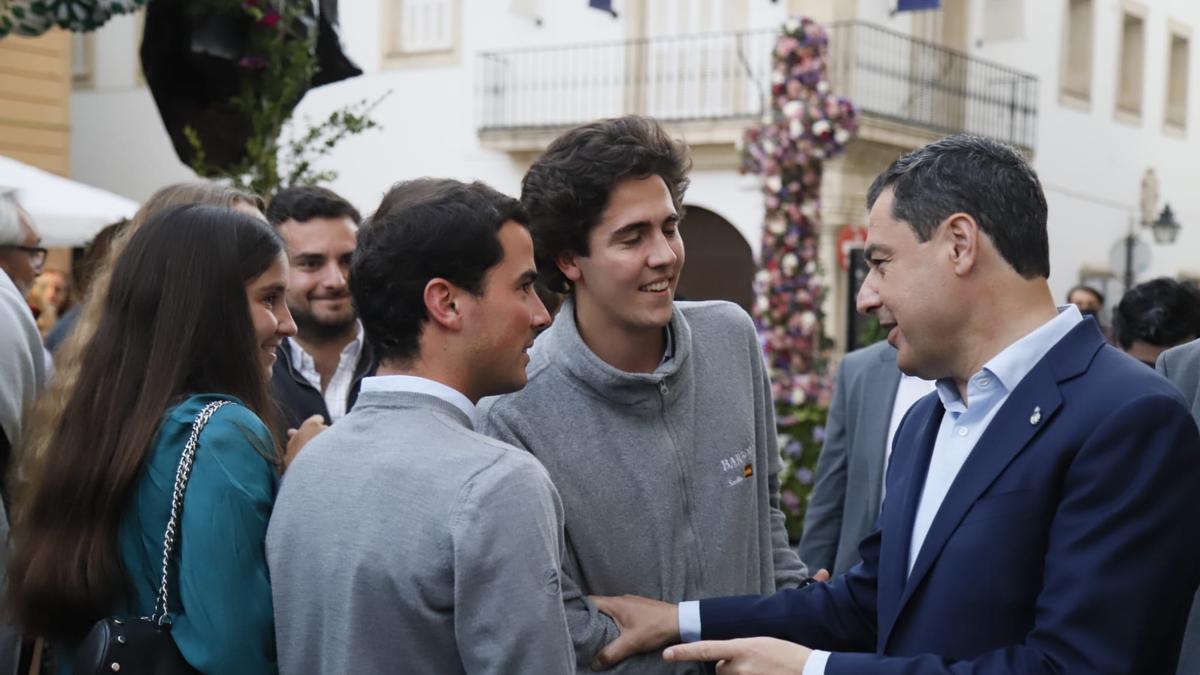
pixel 719 264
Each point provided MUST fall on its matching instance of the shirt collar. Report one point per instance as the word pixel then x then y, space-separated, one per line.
pixel 423 385
pixel 1015 361
pixel 299 356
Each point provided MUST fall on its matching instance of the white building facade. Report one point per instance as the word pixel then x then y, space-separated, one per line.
pixel 1097 92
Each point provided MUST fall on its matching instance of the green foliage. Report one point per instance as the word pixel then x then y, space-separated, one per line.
pixel 279 65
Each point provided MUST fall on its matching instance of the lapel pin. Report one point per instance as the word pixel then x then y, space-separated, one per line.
pixel 1037 415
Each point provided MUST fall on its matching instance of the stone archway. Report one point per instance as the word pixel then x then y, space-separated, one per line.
pixel 719 264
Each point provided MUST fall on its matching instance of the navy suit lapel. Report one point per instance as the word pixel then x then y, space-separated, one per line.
pixel 900 506
pixel 1009 432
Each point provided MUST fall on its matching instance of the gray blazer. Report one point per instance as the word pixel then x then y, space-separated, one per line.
pixel 1181 365
pixel 845 498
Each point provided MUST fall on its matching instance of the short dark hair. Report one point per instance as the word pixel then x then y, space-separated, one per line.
pixel 567 188
pixel 305 203
pixel 1086 289
pixel 432 228
pixel 1162 312
pixel 983 178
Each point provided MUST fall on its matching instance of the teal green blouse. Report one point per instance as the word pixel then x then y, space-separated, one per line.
pixel 219 591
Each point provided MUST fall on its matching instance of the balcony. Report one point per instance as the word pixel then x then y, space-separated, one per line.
pixel 711 85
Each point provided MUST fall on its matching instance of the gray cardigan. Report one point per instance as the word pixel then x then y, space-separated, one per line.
pixel 403 541
pixel 669 480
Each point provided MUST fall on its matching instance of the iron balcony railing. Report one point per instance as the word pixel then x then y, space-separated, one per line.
pixel 726 76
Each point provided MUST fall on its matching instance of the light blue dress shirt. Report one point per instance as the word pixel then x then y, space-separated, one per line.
pixel 961 428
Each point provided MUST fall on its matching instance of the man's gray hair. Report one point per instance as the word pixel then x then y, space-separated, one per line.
pixel 10 218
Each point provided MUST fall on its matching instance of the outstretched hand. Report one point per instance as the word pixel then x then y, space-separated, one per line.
pixel 748 656
pixel 645 625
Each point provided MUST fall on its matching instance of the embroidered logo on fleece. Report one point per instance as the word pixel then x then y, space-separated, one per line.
pixel 738 466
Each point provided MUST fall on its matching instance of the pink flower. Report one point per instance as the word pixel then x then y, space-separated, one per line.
pixel 270 18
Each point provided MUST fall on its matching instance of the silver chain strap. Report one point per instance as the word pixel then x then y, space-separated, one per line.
pixel 181 480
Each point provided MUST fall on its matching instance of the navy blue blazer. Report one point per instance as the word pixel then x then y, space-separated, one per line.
pixel 1067 543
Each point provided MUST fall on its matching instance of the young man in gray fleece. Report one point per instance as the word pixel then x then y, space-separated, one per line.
pixel 653 417
pixel 402 540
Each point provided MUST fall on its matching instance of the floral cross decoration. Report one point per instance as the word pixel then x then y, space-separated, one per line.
pixel 805 126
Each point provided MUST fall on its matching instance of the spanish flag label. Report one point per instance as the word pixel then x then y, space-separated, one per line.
pixel 748 470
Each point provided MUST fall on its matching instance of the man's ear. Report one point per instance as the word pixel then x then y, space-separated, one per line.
pixel 568 264
pixel 964 238
pixel 441 303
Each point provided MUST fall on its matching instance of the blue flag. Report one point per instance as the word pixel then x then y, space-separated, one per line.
pixel 604 5
pixel 915 5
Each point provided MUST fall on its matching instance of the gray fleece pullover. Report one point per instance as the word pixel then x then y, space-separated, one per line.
pixel 669 480
pixel 404 542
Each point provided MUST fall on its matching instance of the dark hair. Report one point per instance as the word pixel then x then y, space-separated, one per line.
pixel 567 188
pixel 1162 312
pixel 305 203
pixel 1086 289
pixel 983 178
pixel 433 228
pixel 176 321
pixel 94 256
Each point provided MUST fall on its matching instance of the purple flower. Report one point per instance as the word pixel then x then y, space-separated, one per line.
pixel 791 503
pixel 253 62
pixel 805 476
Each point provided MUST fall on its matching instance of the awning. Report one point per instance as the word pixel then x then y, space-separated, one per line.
pixel 65 213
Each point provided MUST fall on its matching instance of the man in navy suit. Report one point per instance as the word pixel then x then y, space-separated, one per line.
pixel 1040 514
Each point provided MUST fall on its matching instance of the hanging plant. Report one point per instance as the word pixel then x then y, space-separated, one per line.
pixel 31 18
pixel 276 63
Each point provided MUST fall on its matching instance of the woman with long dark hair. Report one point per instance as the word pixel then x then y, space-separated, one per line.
pixel 193 314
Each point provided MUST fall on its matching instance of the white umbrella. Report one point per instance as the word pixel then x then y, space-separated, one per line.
pixel 65 213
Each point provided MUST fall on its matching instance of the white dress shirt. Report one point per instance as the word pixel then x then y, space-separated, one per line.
pixel 423 385
pixel 338 390
pixel 961 428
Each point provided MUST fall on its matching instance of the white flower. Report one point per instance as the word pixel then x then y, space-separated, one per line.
pixel 808 320
pixel 821 127
pixel 791 26
pixel 774 183
pixel 793 109
pixel 809 209
pixel 823 87
pixel 763 278
pixel 762 304
pixel 796 128
pixel 798 397
pixel 776 226
pixel 841 136
pixel 790 261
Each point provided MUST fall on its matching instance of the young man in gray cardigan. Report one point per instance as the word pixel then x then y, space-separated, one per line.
pixel 654 418
pixel 402 540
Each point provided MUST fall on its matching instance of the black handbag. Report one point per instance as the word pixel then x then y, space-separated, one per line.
pixel 143 645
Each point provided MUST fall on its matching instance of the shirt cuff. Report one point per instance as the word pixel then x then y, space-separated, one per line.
pixel 816 663
pixel 689 621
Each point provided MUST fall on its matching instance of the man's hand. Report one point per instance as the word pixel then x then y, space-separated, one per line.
pixel 298 438
pixel 645 625
pixel 748 656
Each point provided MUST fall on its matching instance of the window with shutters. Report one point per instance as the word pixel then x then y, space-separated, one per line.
pixel 1131 64
pixel 1178 72
pixel 421 32
pixel 1075 78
